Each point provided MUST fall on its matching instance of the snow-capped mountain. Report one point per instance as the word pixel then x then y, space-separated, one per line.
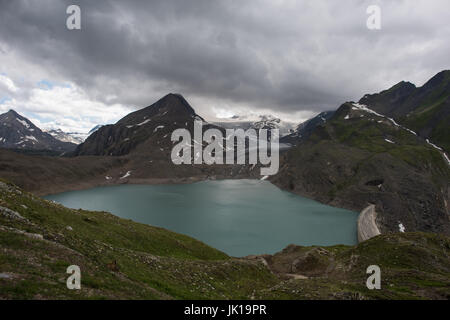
pixel 17 132
pixel 149 128
pixel 264 122
pixel 73 137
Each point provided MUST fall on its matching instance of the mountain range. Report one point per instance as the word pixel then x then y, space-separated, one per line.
pixel 72 137
pixel 387 149
pixel 363 153
pixel 359 157
pixel 425 110
pixel 264 122
pixel 17 132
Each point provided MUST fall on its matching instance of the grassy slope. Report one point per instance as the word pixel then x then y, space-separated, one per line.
pixel 430 105
pixel 369 133
pixel 426 110
pixel 435 115
pixel 153 263
pixel 413 265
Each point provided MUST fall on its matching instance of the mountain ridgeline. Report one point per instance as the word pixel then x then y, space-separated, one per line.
pixel 17 132
pixel 388 149
pixel 305 129
pixel 425 110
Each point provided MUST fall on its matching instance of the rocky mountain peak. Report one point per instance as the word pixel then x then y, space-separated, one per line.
pixel 391 98
pixel 442 78
pixel 403 85
pixel 152 124
pixel 12 112
pixel 172 107
pixel 425 110
pixel 12 115
pixel 17 132
pixel 15 121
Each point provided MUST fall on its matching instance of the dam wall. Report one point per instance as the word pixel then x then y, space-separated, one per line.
pixel 367 227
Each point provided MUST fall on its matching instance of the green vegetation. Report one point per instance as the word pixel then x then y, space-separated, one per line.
pixel 118 258
pixel 371 132
pixel 437 114
pixel 121 259
pixel 432 114
pixel 426 109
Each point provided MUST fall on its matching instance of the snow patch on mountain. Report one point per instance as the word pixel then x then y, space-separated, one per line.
pixel 126 175
pixel 264 122
pixel 357 106
pixel 24 123
pixel 31 138
pixel 434 146
pixel 143 122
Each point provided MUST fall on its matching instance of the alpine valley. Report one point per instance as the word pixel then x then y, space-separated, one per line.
pixel 389 149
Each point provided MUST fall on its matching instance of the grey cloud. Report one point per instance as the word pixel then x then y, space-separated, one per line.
pixel 310 56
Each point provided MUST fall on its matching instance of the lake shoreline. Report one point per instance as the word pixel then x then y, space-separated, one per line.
pixel 233 215
pixel 42 192
pixel 84 185
pixel 338 204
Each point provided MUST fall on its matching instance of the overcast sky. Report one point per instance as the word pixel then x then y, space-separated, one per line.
pixel 289 58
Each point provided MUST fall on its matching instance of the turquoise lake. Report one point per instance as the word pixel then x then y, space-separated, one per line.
pixel 239 217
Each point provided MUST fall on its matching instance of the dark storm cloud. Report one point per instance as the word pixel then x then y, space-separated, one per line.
pixel 279 55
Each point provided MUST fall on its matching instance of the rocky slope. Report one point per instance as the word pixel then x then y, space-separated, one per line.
pixel 43 174
pixel 425 110
pixel 121 259
pixel 359 157
pixel 143 138
pixel 17 132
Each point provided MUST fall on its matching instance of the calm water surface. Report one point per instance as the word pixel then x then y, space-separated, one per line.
pixel 239 217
